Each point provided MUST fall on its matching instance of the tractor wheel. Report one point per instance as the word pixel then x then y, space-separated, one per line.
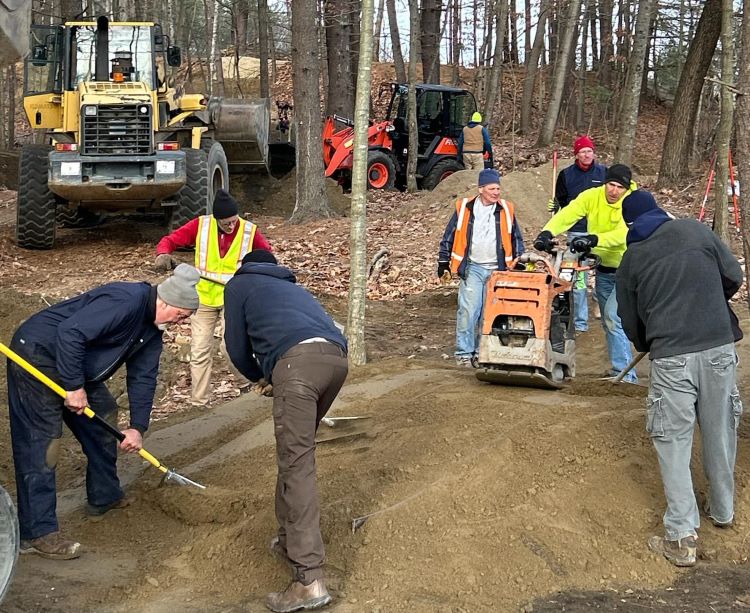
pixel 36 206
pixel 9 541
pixel 192 199
pixel 381 171
pixel 441 170
pixel 218 169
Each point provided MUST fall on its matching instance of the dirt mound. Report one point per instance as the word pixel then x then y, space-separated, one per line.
pixel 192 506
pixel 529 190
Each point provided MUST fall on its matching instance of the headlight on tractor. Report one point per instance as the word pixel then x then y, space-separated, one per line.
pixel 89 110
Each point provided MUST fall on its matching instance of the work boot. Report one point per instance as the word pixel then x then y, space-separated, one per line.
pixel 93 510
pixel 679 553
pixel 52 546
pixel 279 551
pixel 299 596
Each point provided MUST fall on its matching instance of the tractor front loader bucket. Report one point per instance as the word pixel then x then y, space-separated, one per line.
pixel 242 127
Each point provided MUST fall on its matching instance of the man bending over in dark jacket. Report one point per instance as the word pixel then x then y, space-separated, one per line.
pixel 80 343
pixel 276 331
pixel 672 290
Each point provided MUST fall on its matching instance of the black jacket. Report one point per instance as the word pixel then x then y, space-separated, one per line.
pixel 267 313
pixel 90 336
pixel 573 180
pixel 672 289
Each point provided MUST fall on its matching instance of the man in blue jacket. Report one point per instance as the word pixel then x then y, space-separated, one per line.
pixel 79 344
pixel 279 335
pixel 583 174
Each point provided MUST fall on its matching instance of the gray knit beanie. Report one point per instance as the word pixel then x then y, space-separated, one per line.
pixel 179 289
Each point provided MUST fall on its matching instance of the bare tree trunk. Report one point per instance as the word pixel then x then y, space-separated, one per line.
pixel 678 140
pixel 456 38
pixel 497 61
pixel 527 31
pixel 398 56
pixel 532 66
pixel 355 327
pixel 594 39
pixel 263 47
pixel 412 154
pixel 547 132
pixel 581 96
pixel 338 31
pixel 608 46
pixel 431 40
pixel 312 200
pixel 378 31
pixel 724 134
pixel 631 94
pixel 211 17
pixel 241 14
pixel 513 33
pixel 742 118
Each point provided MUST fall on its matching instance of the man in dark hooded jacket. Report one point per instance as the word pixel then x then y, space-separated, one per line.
pixel 278 334
pixel 673 285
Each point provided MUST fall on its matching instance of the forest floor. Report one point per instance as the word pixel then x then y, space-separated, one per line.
pixel 484 498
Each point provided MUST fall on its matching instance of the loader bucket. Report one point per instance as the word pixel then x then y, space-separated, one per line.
pixel 241 126
pixel 15 23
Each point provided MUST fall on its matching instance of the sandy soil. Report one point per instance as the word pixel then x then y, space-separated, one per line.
pixel 477 497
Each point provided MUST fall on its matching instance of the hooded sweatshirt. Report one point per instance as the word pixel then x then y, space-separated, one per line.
pixel 673 285
pixel 266 314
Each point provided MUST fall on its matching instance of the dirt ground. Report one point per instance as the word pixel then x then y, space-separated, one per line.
pixel 477 497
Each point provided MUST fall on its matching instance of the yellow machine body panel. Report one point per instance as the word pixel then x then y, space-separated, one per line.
pixel 44 110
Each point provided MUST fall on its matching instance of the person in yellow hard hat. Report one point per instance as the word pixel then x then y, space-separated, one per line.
pixel 473 143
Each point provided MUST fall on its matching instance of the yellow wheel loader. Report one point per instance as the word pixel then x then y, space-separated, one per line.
pixel 118 135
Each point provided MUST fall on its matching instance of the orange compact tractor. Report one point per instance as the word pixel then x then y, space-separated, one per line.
pixel 442 112
pixel 527 332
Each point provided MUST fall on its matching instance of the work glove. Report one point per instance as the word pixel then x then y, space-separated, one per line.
pixel 164 261
pixel 552 205
pixel 444 271
pixel 584 244
pixel 544 242
pixel 263 388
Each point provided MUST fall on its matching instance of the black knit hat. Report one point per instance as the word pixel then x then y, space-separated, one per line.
pixel 224 205
pixel 619 173
pixel 259 256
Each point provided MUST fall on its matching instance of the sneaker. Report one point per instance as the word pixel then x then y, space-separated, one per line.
pixel 52 546
pixel 299 596
pixel 97 511
pixel 279 551
pixel 679 553
pixel 244 389
pixel 714 521
pixel 465 361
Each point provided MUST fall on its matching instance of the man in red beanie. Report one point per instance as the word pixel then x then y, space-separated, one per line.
pixel 586 172
pixel 220 240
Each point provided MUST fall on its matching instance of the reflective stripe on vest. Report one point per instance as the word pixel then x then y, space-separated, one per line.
pixel 215 270
pixel 460 237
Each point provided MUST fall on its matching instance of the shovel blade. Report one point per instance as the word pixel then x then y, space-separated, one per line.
pixel 171 475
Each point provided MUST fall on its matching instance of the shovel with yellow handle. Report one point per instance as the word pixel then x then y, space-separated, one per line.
pixel 169 474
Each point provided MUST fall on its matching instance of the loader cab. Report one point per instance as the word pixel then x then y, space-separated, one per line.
pixel 442 111
pixel 63 57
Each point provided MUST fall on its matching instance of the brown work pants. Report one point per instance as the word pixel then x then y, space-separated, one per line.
pixel 306 380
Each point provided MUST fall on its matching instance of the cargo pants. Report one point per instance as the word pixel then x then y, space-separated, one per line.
pixel 685 389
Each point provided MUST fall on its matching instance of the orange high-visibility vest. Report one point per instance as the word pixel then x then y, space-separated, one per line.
pixel 460 238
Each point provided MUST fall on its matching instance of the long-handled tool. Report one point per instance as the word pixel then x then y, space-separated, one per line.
pixel 735 203
pixel 709 184
pixel 169 474
pixel 554 175
pixel 631 365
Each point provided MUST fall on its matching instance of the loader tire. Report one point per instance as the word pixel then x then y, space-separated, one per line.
pixel 441 170
pixel 9 541
pixel 192 199
pixel 36 205
pixel 218 168
pixel 381 170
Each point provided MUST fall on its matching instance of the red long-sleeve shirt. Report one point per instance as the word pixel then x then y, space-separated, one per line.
pixel 185 236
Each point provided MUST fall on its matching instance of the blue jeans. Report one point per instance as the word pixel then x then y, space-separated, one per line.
pixel 687 389
pixel 618 345
pixel 471 294
pixel 580 289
